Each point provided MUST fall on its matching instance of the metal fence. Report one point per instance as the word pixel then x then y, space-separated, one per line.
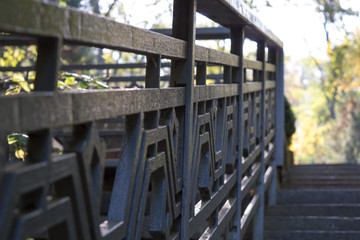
pixel 196 161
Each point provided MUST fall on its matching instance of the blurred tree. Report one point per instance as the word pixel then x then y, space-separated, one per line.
pixel 332 13
pixel 289 121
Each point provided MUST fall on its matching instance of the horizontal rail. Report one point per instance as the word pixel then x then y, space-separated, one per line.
pixel 247 163
pixel 204 54
pixel 249 213
pixel 252 64
pixel 78 27
pixel 269 174
pixel 208 206
pixel 203 57
pixel 55 110
pixel 74 108
pixel 201 33
pixel 249 182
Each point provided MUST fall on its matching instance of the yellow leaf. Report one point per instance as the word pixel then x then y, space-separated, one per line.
pixel 13 91
pixel 20 153
pixel 24 85
pixel 18 77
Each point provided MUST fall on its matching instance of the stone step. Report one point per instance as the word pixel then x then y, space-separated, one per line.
pixel 305 181
pixel 340 210
pixel 324 178
pixel 320 185
pixel 310 223
pixel 325 169
pixel 311 235
pixel 328 166
pixel 311 186
pixel 320 202
pixel 347 172
pixel 328 183
pixel 318 196
pixel 325 182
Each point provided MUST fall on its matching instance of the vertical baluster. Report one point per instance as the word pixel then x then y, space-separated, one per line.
pixel 47 64
pixel 259 217
pixel 182 74
pixel 153 66
pixel 3 158
pixel 279 117
pixel 237 41
pixel 47 67
pixel 273 58
pixel 227 74
pixel 201 73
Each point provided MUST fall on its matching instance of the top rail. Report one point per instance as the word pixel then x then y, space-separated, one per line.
pixel 74 26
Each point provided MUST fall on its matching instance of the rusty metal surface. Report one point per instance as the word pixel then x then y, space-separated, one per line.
pixel 195 159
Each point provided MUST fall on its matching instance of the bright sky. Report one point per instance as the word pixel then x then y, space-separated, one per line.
pixel 298 26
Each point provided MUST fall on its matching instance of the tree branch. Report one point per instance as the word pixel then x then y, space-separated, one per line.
pixel 110 8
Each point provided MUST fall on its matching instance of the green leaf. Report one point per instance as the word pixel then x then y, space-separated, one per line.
pixel 61 84
pixel 84 84
pixel 63 3
pixel 21 139
pixel 70 80
pixel 100 85
pixel 57 150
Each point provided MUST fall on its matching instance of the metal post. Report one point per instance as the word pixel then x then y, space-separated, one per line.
pixel 274 54
pixel 227 74
pixel 237 41
pixel 153 65
pixel 47 64
pixel 259 217
pixel 201 73
pixel 279 117
pixel 182 74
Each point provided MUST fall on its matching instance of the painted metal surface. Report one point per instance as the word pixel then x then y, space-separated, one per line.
pixel 195 160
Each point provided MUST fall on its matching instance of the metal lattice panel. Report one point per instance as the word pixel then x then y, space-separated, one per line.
pixel 194 161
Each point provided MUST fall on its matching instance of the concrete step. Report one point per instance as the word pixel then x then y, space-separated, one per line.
pixel 311 235
pixel 311 186
pixel 320 202
pixel 306 223
pixel 325 172
pixel 324 183
pixel 318 196
pixel 325 169
pixel 319 185
pixel 326 177
pixel 328 166
pixel 340 210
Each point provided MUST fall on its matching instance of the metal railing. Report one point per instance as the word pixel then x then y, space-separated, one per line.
pixel 196 160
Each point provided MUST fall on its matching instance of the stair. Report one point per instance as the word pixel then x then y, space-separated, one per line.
pixel 319 202
pixel 337 176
